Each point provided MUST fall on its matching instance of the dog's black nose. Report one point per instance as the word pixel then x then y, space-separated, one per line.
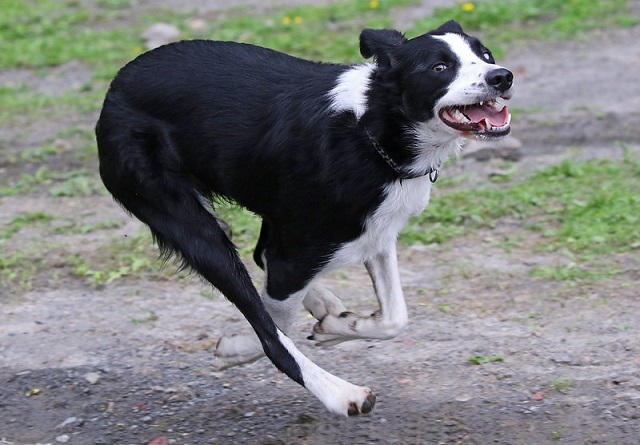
pixel 501 79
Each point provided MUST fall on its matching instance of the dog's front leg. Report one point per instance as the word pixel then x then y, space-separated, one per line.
pixel 385 323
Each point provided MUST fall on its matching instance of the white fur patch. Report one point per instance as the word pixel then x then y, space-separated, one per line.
pixel 350 93
pixel 435 142
pixel 402 200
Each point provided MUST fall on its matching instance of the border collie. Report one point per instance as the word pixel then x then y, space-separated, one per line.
pixel 333 158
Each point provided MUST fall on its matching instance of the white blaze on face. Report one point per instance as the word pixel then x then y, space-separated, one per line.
pixel 470 84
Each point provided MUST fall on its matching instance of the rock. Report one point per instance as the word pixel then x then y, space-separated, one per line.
pixel 92 377
pixel 69 424
pixel 562 359
pixel 67 421
pixel 509 149
pixel 160 34
pixel 63 438
pixel 198 24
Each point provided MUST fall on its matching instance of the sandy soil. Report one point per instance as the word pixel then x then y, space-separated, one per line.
pixel 130 362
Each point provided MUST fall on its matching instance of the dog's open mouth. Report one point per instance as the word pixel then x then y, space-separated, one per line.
pixel 483 119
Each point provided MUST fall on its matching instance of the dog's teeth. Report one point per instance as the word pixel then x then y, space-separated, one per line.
pixel 457 114
pixel 481 103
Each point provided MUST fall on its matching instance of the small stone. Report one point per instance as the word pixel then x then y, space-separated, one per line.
pixel 198 24
pixel 92 377
pixel 67 421
pixel 562 359
pixel 160 34
pixel 63 438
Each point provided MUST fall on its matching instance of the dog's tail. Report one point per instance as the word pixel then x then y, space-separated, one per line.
pixel 141 167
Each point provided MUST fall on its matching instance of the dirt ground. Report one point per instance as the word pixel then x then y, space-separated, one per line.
pixel 131 362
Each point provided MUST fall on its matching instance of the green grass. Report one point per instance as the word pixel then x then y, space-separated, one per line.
pixel 503 22
pixel 245 225
pixel 561 385
pixel 327 33
pixel 586 210
pixel 20 222
pixel 46 33
pixel 586 207
pixel 17 271
pixel 483 360
pixel 68 183
pixel 118 259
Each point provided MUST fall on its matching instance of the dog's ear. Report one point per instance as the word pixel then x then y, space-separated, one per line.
pixel 377 43
pixel 450 26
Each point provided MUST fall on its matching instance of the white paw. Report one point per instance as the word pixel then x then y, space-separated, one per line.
pixel 321 302
pixel 333 329
pixel 236 350
pixel 344 398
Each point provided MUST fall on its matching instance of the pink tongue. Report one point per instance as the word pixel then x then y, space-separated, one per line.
pixel 478 113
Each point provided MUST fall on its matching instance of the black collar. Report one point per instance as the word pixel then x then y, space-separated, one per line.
pixel 432 172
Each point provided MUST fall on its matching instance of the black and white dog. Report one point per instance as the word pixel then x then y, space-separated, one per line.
pixel 334 159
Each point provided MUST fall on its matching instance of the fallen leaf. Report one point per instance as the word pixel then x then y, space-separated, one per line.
pixel 538 396
pixel 162 440
pixel 33 392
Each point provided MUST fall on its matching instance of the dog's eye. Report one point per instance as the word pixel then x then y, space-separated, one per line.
pixel 487 56
pixel 438 67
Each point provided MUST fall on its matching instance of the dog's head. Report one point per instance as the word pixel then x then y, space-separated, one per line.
pixel 444 79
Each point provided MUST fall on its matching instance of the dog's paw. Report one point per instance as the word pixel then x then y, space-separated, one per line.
pixel 351 400
pixel 236 350
pixel 333 329
pixel 365 407
pixel 321 302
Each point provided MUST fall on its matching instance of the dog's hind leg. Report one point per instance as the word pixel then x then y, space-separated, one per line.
pixel 385 323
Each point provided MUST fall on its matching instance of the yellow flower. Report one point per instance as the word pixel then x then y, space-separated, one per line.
pixel 468 7
pixel 286 20
pixel 297 20
pixel 373 4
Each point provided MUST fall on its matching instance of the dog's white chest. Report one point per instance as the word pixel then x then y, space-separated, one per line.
pixel 403 199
